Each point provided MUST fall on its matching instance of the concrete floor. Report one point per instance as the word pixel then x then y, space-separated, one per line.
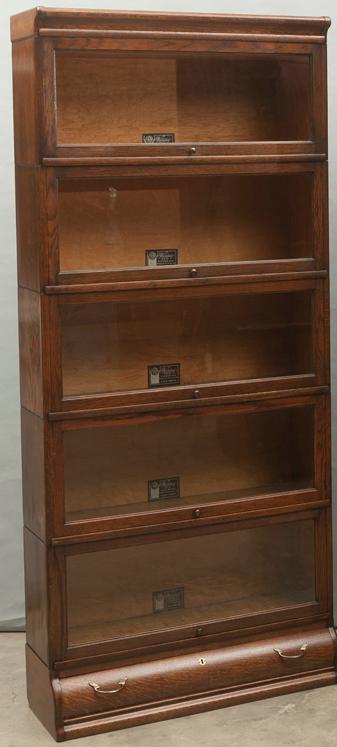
pixel 303 720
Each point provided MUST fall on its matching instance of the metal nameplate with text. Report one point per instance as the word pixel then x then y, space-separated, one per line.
pixel 158 137
pixel 164 488
pixel 163 375
pixel 168 599
pixel 160 257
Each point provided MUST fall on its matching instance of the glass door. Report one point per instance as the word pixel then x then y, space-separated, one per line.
pixel 165 227
pixel 170 99
pixel 199 460
pixel 137 346
pixel 190 582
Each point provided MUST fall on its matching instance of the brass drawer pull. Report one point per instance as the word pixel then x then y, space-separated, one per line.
pixel 303 650
pixel 98 690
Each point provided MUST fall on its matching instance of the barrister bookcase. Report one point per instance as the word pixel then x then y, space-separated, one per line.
pixel 172 225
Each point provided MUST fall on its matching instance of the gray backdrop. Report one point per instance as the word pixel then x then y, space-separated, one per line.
pixel 11 563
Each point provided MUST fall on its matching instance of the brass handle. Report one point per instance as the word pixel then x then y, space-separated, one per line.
pixel 98 690
pixel 292 656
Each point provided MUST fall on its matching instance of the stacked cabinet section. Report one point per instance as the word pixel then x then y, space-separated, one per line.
pixel 171 184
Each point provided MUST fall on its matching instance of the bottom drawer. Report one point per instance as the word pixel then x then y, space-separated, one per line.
pixel 207 672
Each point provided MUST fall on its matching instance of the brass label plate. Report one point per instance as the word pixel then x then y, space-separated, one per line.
pixel 161 257
pixel 163 489
pixel 163 375
pixel 158 137
pixel 167 600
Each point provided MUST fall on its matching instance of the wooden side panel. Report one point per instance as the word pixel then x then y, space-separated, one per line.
pixel 30 341
pixel 36 584
pixel 32 260
pixel 25 88
pixel 36 226
pixel 42 692
pixel 319 97
pixel 27 227
pixel 320 213
pixel 33 477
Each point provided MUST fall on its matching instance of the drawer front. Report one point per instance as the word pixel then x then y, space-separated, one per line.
pixel 284 655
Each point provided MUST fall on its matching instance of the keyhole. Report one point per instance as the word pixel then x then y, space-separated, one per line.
pixel 202 661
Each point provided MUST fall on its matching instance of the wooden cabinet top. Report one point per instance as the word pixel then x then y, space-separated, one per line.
pixel 65 22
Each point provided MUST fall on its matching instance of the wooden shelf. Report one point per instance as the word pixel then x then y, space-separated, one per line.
pixel 86 514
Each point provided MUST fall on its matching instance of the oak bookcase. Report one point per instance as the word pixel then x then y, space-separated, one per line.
pixel 172 224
